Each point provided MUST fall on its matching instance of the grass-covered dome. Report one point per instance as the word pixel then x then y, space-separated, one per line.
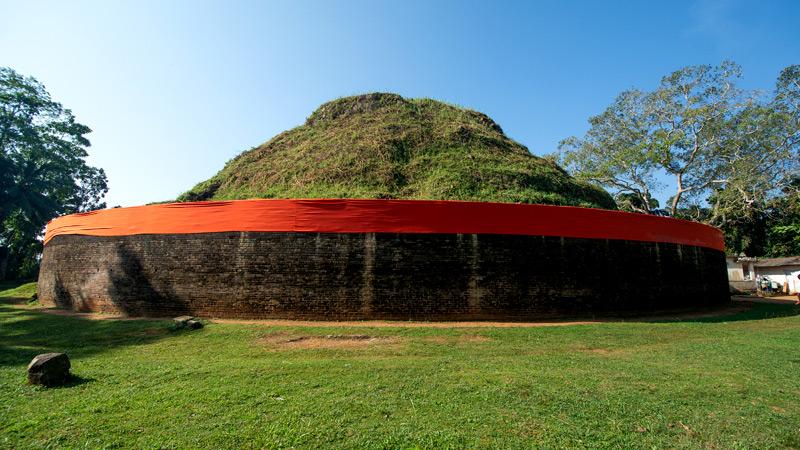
pixel 385 146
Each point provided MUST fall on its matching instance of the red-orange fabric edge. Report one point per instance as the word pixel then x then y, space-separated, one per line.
pixel 385 216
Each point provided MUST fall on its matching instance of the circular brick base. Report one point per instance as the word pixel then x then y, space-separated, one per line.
pixel 377 276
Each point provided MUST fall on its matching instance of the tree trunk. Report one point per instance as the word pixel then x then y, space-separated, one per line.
pixel 645 196
pixel 677 198
pixel 3 262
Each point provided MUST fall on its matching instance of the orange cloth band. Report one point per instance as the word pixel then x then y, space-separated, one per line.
pixel 385 216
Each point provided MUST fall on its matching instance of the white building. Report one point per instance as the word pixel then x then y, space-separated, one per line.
pixel 741 273
pixel 745 273
pixel 781 271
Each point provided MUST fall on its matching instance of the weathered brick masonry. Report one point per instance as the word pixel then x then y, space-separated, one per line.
pixel 376 276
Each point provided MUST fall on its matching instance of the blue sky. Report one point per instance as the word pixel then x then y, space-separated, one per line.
pixel 174 89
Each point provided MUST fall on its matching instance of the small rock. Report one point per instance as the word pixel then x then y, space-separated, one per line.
pixel 49 369
pixel 194 324
pixel 181 320
pixel 187 322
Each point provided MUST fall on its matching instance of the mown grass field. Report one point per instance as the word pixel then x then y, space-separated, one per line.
pixel 723 382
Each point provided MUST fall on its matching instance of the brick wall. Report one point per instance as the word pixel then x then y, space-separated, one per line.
pixel 376 276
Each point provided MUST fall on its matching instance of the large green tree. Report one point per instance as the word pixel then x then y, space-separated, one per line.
pixel 725 153
pixel 783 231
pixel 43 171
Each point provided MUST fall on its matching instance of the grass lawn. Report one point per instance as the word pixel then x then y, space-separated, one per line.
pixel 721 383
pixel 11 290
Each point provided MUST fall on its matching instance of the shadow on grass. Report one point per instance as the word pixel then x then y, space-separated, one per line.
pixel 73 381
pixel 25 333
pixel 76 380
pixel 750 311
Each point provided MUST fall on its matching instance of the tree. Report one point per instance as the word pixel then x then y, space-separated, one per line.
pixel 43 172
pixel 727 151
pixel 615 153
pixel 760 155
pixel 630 202
pixel 783 233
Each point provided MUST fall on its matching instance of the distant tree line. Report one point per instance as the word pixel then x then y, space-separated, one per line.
pixel 43 171
pixel 731 155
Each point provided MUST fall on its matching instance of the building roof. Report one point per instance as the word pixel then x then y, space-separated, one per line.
pixel 777 262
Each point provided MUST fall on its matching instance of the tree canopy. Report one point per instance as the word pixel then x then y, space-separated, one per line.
pixel 43 171
pixel 725 154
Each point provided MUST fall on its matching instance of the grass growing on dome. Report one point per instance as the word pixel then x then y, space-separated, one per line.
pixel 386 146
pixel 726 382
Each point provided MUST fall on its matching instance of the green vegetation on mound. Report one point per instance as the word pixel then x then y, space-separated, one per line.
pixel 385 146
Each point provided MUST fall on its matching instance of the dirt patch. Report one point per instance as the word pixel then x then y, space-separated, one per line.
pixel 777 300
pixel 737 307
pixel 472 338
pixel 148 332
pixel 458 340
pixel 602 351
pixel 401 324
pixel 328 341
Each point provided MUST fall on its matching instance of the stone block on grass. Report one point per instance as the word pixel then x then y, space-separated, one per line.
pixel 49 369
